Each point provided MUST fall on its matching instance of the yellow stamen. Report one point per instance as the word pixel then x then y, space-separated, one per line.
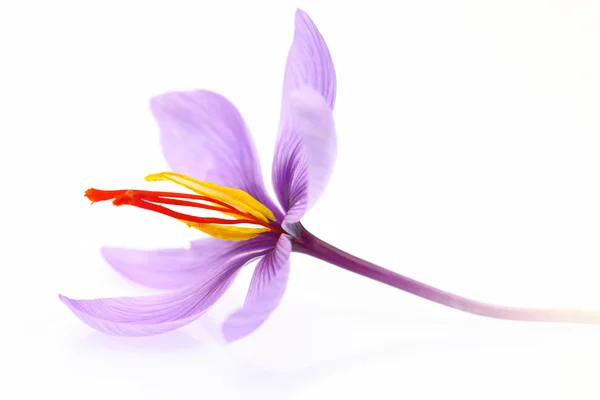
pixel 227 232
pixel 237 198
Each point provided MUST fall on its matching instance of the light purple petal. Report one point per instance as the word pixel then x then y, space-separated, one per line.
pixel 264 295
pixel 177 268
pixel 151 315
pixel 309 61
pixel 313 121
pixel 306 145
pixel 204 136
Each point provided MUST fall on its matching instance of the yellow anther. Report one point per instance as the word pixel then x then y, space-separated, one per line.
pixel 225 232
pixel 235 197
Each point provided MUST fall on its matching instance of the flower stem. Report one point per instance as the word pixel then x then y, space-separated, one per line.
pixel 313 246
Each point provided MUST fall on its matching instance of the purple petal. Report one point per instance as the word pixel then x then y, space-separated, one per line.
pixel 313 121
pixel 309 62
pixel 177 268
pixel 151 315
pixel 264 295
pixel 306 145
pixel 204 136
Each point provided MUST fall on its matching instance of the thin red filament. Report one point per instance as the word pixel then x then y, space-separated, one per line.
pixel 149 200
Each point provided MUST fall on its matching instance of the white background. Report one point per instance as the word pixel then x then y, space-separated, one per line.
pixel 474 124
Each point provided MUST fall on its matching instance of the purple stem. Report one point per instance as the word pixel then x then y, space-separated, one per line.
pixel 313 246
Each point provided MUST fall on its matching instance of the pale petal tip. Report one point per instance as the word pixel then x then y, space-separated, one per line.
pixel 303 16
pixel 114 257
pixel 160 103
pixel 65 300
pixel 167 99
pixel 156 101
pixel 107 253
pixel 231 333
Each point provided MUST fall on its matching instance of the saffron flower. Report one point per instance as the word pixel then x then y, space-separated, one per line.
pixel 205 140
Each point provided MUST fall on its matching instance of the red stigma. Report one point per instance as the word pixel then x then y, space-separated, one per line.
pixel 152 201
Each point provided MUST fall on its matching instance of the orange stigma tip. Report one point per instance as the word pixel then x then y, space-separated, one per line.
pixel 95 195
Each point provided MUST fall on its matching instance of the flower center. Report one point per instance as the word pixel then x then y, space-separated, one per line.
pixel 236 206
